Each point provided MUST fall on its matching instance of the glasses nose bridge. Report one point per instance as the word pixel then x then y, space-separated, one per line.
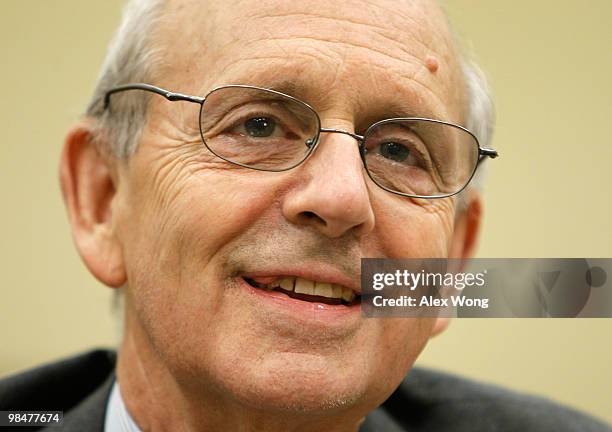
pixel 358 138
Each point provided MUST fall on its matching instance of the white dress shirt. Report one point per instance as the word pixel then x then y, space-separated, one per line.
pixel 118 419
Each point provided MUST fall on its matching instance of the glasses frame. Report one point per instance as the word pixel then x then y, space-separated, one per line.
pixel 483 152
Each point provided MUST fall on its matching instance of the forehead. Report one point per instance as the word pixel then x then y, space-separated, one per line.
pixel 363 57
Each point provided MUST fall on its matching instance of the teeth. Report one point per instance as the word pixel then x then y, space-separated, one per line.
pixel 304 286
pixel 347 294
pixel 287 283
pixel 323 289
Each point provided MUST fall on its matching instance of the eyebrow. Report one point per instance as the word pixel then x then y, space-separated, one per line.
pixel 291 88
pixel 396 108
pixel 284 85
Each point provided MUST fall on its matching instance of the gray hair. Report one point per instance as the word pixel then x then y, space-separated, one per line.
pixel 480 116
pixel 131 57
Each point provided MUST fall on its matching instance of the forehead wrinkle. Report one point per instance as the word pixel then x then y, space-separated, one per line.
pixel 276 44
pixel 380 15
pixel 383 32
pixel 387 46
pixel 371 36
pixel 423 31
pixel 441 33
pixel 343 43
pixel 419 33
pixel 393 44
pixel 394 27
pixel 292 80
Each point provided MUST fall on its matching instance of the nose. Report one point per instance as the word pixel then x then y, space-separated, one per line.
pixel 331 194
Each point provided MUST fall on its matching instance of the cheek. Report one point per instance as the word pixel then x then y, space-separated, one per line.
pixel 405 335
pixel 175 231
pixel 217 208
pixel 399 343
pixel 175 236
pixel 192 215
pixel 408 230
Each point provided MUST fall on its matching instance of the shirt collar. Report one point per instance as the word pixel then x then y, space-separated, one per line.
pixel 118 419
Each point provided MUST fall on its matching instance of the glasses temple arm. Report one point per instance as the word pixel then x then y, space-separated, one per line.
pixel 171 96
pixel 486 153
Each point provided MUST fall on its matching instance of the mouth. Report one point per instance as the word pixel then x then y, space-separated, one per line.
pixel 307 290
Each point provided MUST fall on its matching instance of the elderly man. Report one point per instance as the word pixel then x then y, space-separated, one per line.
pixel 235 163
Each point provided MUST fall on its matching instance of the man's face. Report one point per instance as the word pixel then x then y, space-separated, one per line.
pixel 193 227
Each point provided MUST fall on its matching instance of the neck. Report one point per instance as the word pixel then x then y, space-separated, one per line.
pixel 157 400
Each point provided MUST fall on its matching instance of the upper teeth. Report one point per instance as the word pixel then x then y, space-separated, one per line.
pixel 306 286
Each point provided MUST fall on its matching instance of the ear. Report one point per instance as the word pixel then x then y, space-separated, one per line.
pixel 89 189
pixel 467 228
pixel 464 241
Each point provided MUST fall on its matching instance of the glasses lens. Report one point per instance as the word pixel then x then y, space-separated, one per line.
pixel 258 128
pixel 420 157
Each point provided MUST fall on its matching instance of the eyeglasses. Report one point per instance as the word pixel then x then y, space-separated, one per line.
pixel 266 130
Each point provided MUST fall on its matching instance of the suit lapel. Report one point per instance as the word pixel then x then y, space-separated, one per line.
pixel 89 414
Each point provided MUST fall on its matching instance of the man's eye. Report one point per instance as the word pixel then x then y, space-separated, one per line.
pixel 394 151
pixel 260 127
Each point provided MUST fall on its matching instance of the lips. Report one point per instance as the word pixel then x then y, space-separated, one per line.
pixel 306 289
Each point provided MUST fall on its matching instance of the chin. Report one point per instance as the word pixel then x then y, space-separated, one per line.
pixel 300 382
pixel 303 396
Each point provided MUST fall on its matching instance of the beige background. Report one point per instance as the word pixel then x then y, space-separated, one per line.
pixel 550 64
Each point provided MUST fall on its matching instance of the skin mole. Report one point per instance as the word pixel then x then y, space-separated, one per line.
pixel 432 64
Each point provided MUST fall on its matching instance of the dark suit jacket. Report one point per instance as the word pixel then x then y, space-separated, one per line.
pixel 425 401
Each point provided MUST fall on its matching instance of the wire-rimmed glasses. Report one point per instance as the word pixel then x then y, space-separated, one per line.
pixel 266 130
